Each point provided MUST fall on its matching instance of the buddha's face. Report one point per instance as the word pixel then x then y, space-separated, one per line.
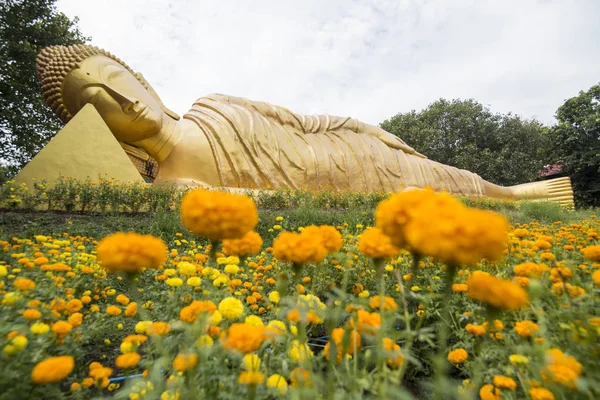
pixel 129 110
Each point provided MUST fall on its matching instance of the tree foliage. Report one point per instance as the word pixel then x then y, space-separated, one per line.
pixel 502 148
pixel 576 139
pixel 26 123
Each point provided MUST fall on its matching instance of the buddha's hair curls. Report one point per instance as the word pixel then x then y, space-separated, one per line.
pixel 54 63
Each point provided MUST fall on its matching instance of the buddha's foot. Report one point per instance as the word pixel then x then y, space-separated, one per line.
pixel 559 190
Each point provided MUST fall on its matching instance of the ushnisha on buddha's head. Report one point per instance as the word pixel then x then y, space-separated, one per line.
pixel 73 76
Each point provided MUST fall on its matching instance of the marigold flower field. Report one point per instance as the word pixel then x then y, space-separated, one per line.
pixel 437 300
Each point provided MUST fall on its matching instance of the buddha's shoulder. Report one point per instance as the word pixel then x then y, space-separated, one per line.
pixel 262 107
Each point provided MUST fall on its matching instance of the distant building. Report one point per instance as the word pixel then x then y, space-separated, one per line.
pixel 552 171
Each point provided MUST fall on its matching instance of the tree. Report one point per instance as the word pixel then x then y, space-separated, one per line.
pixel 26 123
pixel 501 148
pixel 576 140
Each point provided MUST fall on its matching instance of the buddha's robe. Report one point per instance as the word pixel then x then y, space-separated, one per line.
pixel 261 146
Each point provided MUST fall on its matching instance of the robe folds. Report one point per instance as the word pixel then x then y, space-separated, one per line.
pixel 257 145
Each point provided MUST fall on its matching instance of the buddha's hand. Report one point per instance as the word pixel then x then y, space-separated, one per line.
pixel 393 141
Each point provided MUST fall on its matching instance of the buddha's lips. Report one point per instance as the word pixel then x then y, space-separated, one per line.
pixel 139 114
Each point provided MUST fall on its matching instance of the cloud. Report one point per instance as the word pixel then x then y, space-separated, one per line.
pixel 365 59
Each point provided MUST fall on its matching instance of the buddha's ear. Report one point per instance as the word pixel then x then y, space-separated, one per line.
pixel 144 82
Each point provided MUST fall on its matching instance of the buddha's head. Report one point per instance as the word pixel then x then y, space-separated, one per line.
pixel 74 76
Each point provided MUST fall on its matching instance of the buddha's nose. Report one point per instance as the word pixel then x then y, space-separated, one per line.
pixel 131 106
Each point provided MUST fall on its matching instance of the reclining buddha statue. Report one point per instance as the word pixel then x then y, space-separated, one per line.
pixel 232 142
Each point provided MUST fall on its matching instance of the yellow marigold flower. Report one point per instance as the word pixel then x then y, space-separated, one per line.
pixel 31 314
pixel 331 238
pixel 364 294
pixel 541 394
pixel 174 282
pixel 504 382
pixel 388 303
pixel 186 268
pixel 498 293
pixel 458 356
pixel 218 215
pixel 299 351
pixel 204 341
pixel 194 281
pixel 526 328
pixel 127 360
pixel 11 298
pixel 53 369
pixel 23 284
pixel 299 248
pixel 374 244
pixel 131 310
pixel 251 378
pixel 518 359
pixel 251 362
pixel 231 269
pixel 184 362
pixel 489 392
pixel 278 382
pixel 231 308
pixel 561 368
pixel 39 328
pixel 592 253
pixel 249 244
pixel 274 297
pixel 131 252
pixel 113 310
pixel 254 320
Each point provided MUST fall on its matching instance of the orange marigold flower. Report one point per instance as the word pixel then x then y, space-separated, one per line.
pixel 300 377
pixel 245 338
pixel 331 238
pixel 504 382
pixel 251 378
pixel 53 369
pixel 394 356
pixel 367 322
pixel 31 314
pixel 374 244
pixel 74 305
pixel 131 252
pixel 592 253
pixel 476 330
pixel 388 303
pixel 530 270
pixel 498 293
pixel 249 244
pixel 122 299
pixel 183 362
pixel 217 215
pixel 489 392
pixel 127 360
pixel 159 328
pixel 61 328
pixel 526 328
pixel 299 248
pixel 131 309
pixel 76 319
pixel 191 313
pixel 113 310
pixel 459 287
pixel 561 368
pixel 458 356
pixel 23 284
pixel 541 394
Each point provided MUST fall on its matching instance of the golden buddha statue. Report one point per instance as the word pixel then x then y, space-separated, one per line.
pixel 232 142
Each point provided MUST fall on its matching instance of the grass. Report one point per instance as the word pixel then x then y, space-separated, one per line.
pixel 165 224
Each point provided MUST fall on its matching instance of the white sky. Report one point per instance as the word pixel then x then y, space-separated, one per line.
pixel 364 59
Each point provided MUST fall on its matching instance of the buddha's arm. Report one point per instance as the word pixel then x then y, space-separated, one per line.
pixel 315 124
